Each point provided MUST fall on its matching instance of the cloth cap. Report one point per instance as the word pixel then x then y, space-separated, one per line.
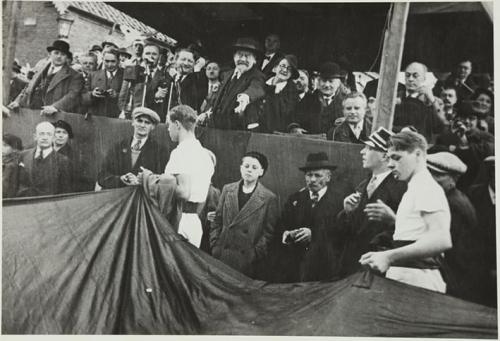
pixel 317 161
pixel 379 139
pixel 66 126
pixel 444 162
pixel 143 111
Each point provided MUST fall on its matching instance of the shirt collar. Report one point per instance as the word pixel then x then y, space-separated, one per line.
pixel 111 74
pixel 381 177
pixel 270 56
pixel 45 152
pixel 412 95
pixel 278 87
pixel 55 68
pixel 415 179
pixel 321 193
pixel 301 96
pixel 134 141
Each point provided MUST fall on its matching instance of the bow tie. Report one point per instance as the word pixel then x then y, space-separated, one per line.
pixel 267 57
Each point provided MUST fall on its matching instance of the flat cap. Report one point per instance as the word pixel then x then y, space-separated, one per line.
pixel 444 162
pixel 143 111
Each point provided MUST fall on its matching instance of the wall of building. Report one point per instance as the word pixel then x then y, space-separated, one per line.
pixel 37 29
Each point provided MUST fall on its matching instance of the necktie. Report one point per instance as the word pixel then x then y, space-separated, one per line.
pixel 328 100
pixel 268 58
pixel 137 146
pixel 314 199
pixel 51 71
pixel 39 156
pixel 370 188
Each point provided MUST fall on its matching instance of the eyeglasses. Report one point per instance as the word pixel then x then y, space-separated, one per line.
pixel 285 67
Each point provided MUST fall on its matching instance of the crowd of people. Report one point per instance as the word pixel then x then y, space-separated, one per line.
pixel 425 216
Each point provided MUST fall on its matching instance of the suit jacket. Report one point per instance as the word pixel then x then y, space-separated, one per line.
pixel 118 161
pixel 319 259
pixel 63 91
pixel 103 106
pixel 193 90
pixel 279 109
pixel 464 92
pixel 362 235
pixel 250 83
pixel 241 238
pixel 15 178
pixel 49 178
pixel 268 70
pixel 137 91
pixel 315 116
pixel 343 133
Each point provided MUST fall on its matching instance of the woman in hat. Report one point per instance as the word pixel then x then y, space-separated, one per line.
pixel 15 178
pixel 281 96
pixel 245 219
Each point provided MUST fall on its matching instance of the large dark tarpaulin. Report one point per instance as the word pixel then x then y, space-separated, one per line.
pixel 108 262
pixel 94 136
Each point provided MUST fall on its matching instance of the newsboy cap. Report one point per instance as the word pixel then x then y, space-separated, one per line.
pixel 143 111
pixel 444 163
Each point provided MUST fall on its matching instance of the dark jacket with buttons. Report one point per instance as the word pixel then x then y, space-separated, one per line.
pixel 240 238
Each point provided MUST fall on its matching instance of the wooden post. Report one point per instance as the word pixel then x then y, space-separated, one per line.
pixel 390 66
pixel 11 9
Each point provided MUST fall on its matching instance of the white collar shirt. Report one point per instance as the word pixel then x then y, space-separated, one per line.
pixel 135 140
pixel 380 177
pixel 357 128
pixel 45 152
pixel 321 193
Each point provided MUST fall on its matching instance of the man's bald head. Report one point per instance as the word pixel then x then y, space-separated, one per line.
pixel 415 76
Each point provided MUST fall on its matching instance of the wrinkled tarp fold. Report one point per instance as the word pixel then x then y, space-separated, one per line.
pixel 108 262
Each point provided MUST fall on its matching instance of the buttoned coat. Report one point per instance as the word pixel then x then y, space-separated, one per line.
pixel 63 91
pixel 315 116
pixel 343 133
pixel 118 161
pixel 279 109
pixel 241 238
pixel 106 106
pixel 250 83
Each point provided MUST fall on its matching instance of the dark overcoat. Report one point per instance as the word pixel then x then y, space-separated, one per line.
pixel 314 115
pixel 118 161
pixel 279 109
pixel 106 106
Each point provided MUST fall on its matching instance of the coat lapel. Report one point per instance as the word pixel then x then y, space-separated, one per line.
pixel 255 202
pixel 59 77
pixel 232 203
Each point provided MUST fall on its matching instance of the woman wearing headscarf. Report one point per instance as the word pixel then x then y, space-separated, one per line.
pixel 245 219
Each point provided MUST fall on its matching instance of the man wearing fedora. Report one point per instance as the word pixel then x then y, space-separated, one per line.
pixel 318 115
pixel 367 219
pixel 239 102
pixel 124 160
pixel 307 225
pixel 55 86
pixel 281 96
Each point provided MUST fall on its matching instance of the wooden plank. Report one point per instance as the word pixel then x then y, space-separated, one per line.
pixel 10 11
pixel 390 66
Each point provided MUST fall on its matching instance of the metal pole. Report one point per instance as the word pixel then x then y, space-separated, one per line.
pixel 390 66
pixel 11 9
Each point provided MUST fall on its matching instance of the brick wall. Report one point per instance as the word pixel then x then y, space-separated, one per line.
pixel 32 40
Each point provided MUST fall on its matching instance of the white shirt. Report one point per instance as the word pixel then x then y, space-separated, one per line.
pixel 53 69
pixel 45 152
pixel 110 74
pixel 357 128
pixel 301 96
pixel 321 192
pixel 190 158
pixel 424 195
pixel 266 61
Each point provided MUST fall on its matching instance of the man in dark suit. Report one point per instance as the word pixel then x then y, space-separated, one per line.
pixel 367 220
pixel 144 85
pixel 272 56
pixel 356 127
pixel 106 47
pixel 48 171
pixel 317 114
pixel 461 80
pixel 309 251
pixel 124 160
pixel 239 102
pixel 101 95
pixel 55 86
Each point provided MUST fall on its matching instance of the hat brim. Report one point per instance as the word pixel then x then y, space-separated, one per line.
pixel 374 146
pixel 308 168
pixel 247 48
pixel 52 48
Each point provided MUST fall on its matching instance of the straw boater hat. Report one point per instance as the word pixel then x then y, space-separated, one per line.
pixel 317 161
pixel 379 139
pixel 445 163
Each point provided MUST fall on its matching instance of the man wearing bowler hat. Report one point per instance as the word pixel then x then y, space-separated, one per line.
pixel 124 160
pixel 367 220
pixel 239 101
pixel 325 105
pixel 309 253
pixel 55 86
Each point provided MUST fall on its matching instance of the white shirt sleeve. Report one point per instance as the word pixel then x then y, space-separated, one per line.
pixel 177 164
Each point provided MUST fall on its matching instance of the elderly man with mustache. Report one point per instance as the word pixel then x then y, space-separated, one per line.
pixel 239 101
